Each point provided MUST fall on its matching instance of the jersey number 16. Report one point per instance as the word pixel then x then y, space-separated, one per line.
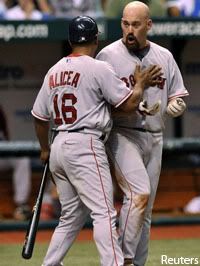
pixel 65 114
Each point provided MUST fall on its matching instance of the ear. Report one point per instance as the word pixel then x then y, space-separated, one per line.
pixel 96 40
pixel 122 23
pixel 149 24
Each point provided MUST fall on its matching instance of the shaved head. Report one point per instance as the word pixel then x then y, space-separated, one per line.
pixel 135 25
pixel 138 8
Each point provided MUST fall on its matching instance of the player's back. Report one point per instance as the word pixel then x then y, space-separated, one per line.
pixel 76 100
pixel 77 93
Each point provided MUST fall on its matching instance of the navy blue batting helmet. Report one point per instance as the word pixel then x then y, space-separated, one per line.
pixel 82 29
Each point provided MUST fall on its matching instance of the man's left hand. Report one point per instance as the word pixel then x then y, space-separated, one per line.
pixel 176 107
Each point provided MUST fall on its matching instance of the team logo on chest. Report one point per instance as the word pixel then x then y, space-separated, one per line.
pixel 130 81
pixel 162 83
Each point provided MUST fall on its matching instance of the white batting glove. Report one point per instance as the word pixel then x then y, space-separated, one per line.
pixel 152 110
pixel 176 107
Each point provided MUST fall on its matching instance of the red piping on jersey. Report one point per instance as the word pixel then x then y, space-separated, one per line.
pixel 105 200
pixel 39 117
pixel 124 99
pixel 178 95
pixel 75 55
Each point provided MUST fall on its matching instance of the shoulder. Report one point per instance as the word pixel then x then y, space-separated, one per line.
pixel 111 52
pixel 102 65
pixel 101 70
pixel 111 48
pixel 156 48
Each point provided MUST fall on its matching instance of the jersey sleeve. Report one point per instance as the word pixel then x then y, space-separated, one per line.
pixel 40 108
pixel 176 85
pixel 113 88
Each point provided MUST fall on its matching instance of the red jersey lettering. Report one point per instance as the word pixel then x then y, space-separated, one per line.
pixel 69 78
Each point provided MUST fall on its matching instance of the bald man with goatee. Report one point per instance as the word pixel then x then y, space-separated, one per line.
pixel 136 140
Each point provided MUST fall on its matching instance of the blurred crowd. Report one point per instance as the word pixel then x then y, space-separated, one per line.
pixel 49 9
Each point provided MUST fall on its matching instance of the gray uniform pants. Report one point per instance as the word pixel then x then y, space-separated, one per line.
pixel 137 159
pixel 80 169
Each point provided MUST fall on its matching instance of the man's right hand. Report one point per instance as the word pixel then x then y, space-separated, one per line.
pixel 44 155
pixel 149 76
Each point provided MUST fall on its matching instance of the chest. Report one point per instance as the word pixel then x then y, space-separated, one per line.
pixel 125 68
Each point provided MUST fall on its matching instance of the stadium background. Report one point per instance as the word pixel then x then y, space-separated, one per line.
pixel 28 49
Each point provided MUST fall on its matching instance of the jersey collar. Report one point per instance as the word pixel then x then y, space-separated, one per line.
pixel 74 55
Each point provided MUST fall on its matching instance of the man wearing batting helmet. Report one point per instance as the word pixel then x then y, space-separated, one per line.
pixel 76 94
pixel 136 141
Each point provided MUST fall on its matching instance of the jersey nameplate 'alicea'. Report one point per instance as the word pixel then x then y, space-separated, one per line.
pixel 64 78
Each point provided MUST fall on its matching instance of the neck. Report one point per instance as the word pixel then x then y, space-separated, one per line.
pixel 146 44
pixel 83 50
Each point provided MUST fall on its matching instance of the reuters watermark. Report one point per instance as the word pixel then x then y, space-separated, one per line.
pixel 167 260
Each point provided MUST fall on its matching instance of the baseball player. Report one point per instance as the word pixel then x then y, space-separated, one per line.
pixel 76 94
pixel 136 141
pixel 21 175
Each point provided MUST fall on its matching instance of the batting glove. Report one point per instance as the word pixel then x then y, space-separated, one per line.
pixel 176 107
pixel 152 110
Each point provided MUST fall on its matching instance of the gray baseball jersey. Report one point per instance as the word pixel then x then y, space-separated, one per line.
pixel 172 83
pixel 135 153
pixel 73 96
pixel 76 94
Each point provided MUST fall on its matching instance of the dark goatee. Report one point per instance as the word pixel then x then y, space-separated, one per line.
pixel 132 47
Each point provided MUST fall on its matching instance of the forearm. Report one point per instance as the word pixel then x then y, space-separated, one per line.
pixel 42 132
pixel 137 96
pixel 131 104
